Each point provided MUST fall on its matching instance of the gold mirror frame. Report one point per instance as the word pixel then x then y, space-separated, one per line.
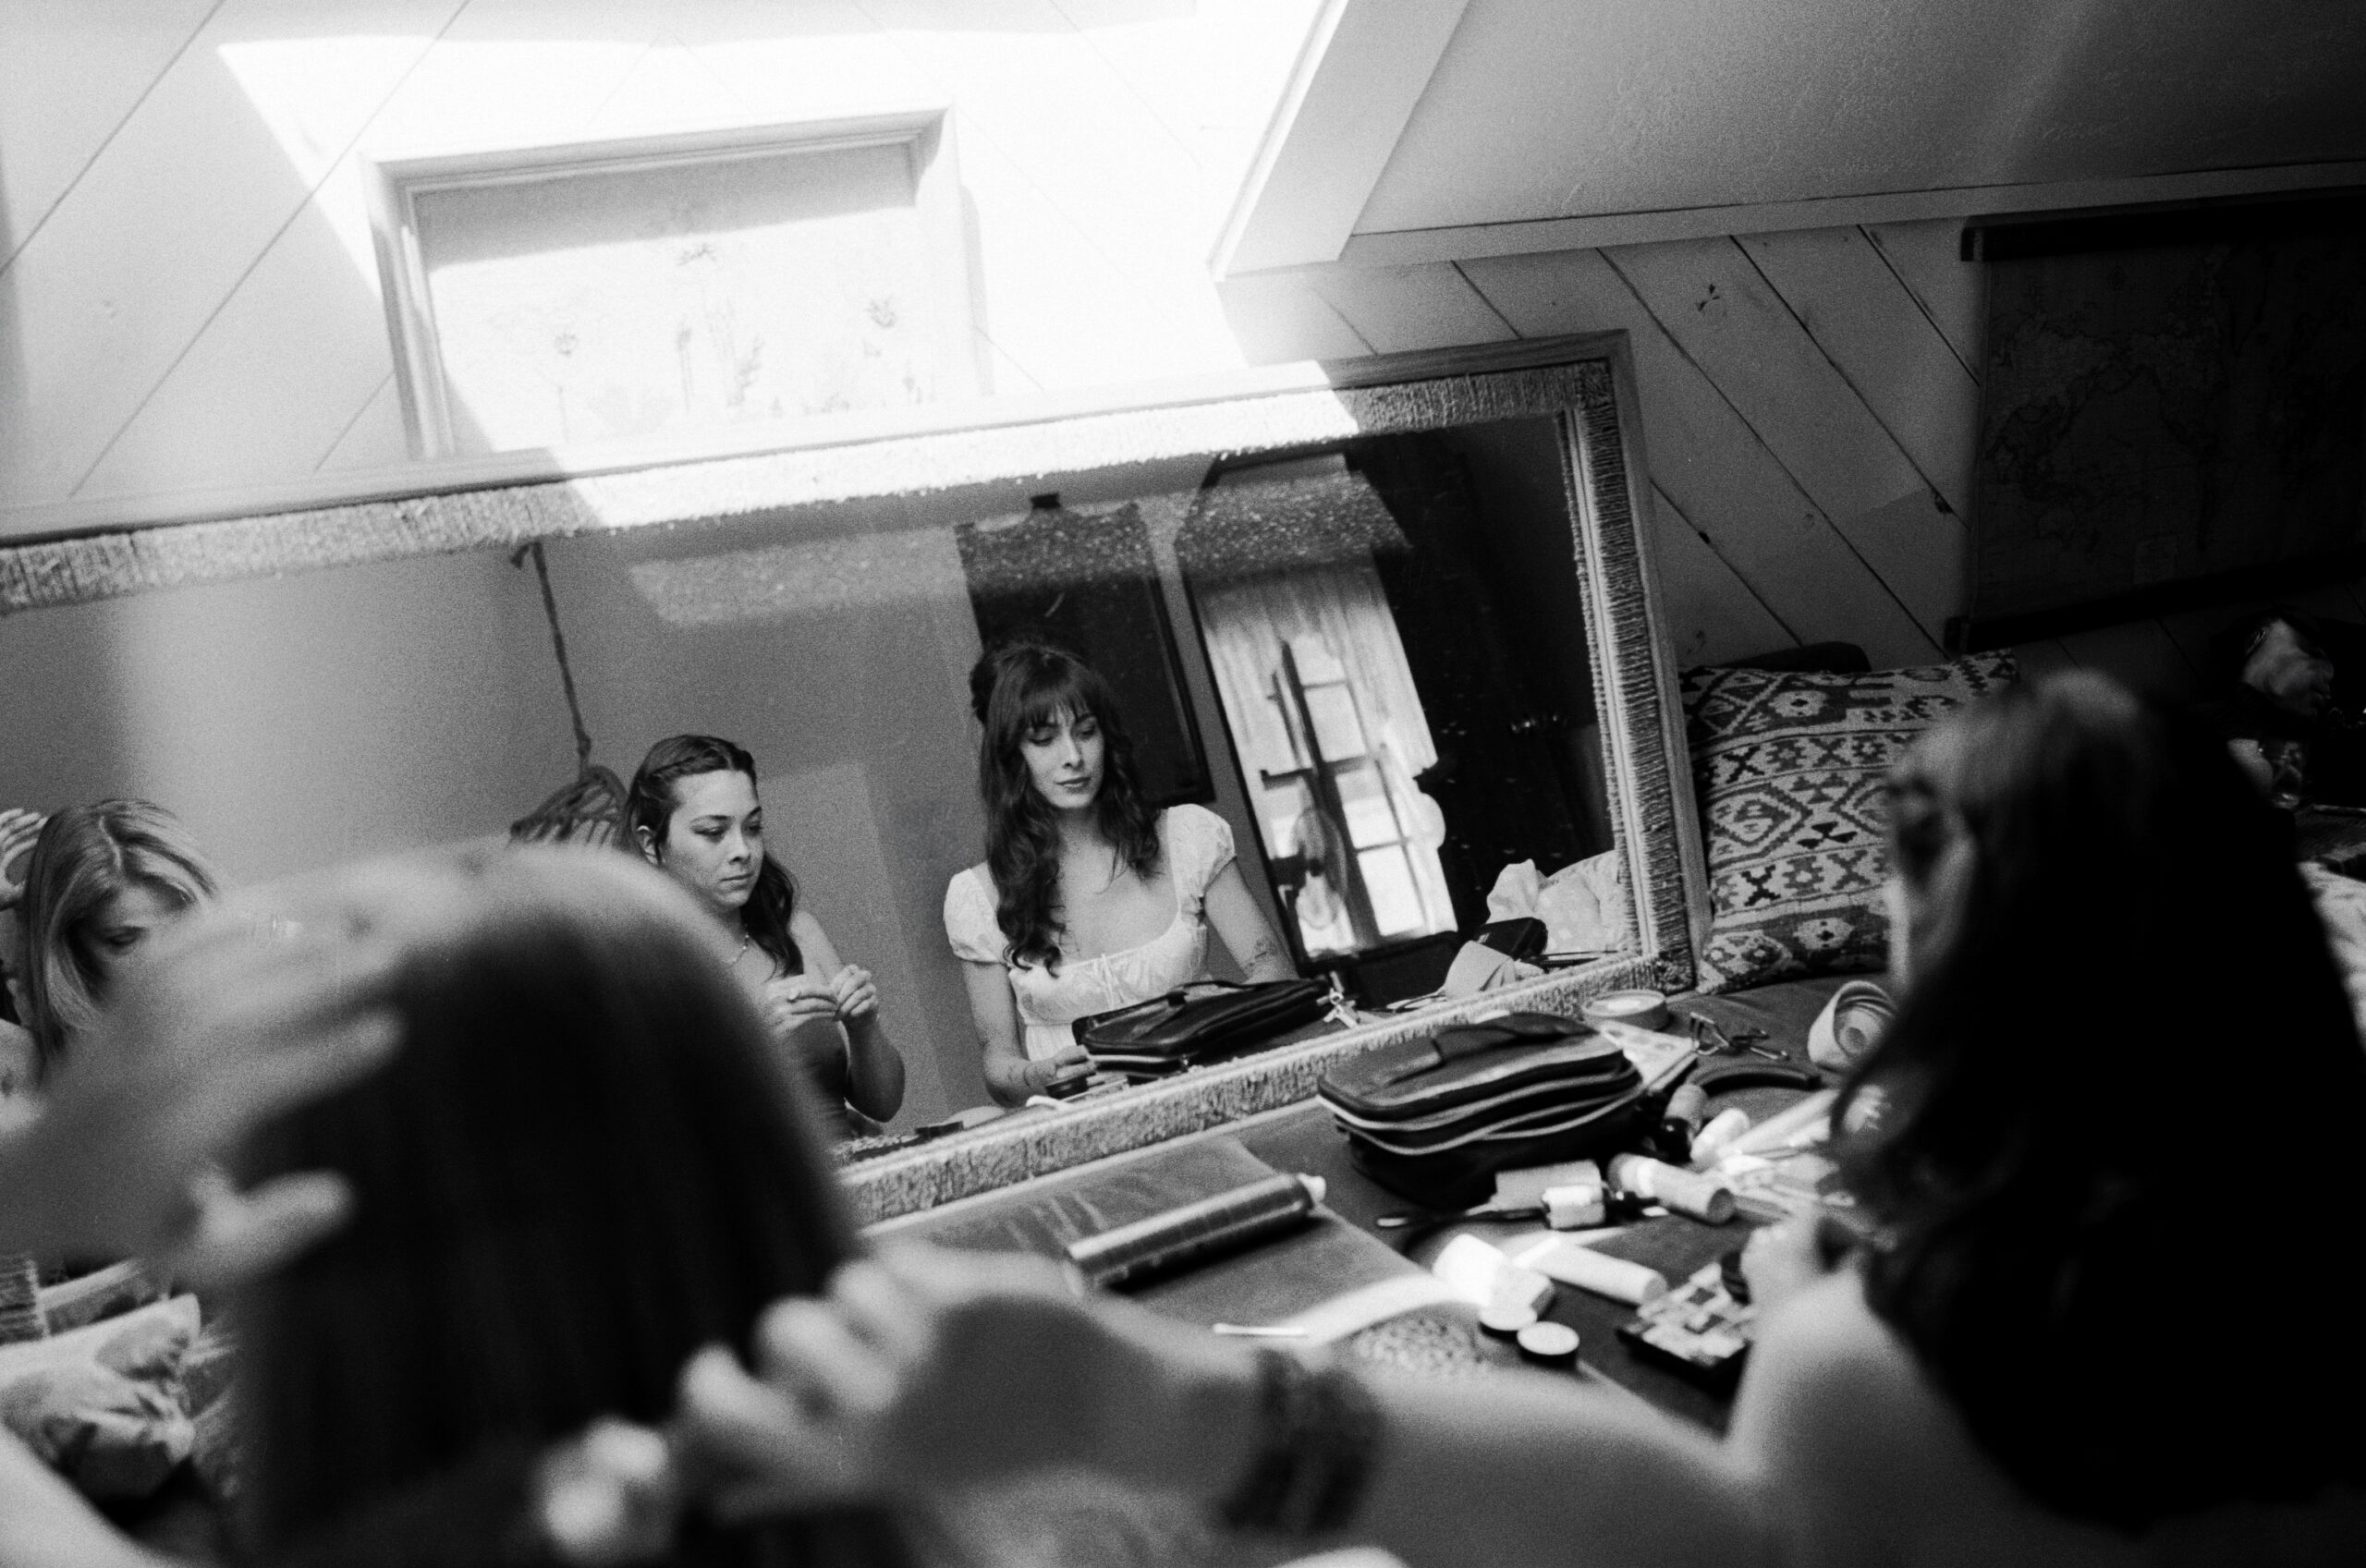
pixel 1586 384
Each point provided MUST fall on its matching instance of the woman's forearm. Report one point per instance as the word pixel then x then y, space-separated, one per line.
pixel 1266 961
pixel 874 1070
pixel 1532 1472
pixel 1007 1078
pixel 44 1523
pixel 1242 927
pixel 1490 1473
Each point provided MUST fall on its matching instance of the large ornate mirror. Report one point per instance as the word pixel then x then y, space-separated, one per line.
pixel 1391 622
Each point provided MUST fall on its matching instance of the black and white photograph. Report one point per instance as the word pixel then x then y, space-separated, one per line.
pixel 1181 784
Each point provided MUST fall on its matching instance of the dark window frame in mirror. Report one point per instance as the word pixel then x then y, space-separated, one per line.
pixel 1417 596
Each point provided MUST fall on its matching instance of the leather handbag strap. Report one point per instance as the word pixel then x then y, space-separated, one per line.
pixel 1756 1074
pixel 1459 1042
pixel 1182 995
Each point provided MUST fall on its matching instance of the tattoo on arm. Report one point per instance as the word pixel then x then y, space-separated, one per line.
pixel 1266 961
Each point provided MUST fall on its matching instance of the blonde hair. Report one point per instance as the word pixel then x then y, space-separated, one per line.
pixel 85 856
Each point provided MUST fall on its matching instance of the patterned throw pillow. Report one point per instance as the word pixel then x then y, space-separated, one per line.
pixel 1788 768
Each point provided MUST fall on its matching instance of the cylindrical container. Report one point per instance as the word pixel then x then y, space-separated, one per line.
pixel 1722 1129
pixel 1506 1320
pixel 1644 1009
pixel 1686 1192
pixel 1482 1274
pixel 1184 1235
pixel 1686 1110
pixel 1558 1257
pixel 1526 1188
pixel 1569 1208
pixel 1549 1344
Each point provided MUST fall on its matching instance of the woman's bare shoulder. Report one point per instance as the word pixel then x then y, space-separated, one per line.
pixel 1839 1416
pixel 1822 1354
pixel 821 955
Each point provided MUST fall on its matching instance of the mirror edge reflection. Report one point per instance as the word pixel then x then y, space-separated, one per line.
pixel 1587 381
pixel 1019 1147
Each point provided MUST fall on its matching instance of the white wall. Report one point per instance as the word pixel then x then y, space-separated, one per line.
pixel 1543 110
pixel 187 293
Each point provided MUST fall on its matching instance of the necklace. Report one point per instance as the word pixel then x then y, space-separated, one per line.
pixel 741 950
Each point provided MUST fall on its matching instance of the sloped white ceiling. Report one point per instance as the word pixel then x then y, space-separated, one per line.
pixel 1552 109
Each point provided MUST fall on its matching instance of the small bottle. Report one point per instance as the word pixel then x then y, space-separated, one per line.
pixel 1685 1192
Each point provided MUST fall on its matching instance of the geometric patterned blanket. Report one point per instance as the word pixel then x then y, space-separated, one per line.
pixel 1789 766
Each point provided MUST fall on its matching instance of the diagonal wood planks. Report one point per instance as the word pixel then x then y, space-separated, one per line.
pixel 112 323
pixel 1738 495
pixel 1749 342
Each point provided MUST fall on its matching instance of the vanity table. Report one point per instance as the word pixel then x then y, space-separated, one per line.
pixel 1346 1251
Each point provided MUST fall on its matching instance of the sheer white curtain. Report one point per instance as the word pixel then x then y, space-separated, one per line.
pixel 1247 620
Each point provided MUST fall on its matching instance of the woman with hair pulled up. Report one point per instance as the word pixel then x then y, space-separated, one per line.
pixel 693 812
pixel 570 1158
pixel 2085 1137
pixel 1088 901
pixel 585 1163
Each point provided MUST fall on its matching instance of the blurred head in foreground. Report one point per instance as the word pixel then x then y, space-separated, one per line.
pixel 2123 1064
pixel 583 1164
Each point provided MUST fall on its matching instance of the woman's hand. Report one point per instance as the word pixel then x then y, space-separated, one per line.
pixel 1783 1260
pixel 609 1496
pixel 1070 1063
pixel 213 1034
pixel 919 1371
pixel 18 828
pixel 858 998
pixel 795 999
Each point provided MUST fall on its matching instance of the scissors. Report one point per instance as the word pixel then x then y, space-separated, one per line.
pixel 1708 1040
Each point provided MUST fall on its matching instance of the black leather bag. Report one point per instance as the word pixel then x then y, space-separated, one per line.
pixel 1198 1023
pixel 1434 1119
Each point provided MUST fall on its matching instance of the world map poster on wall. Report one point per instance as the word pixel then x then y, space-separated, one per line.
pixel 2160 413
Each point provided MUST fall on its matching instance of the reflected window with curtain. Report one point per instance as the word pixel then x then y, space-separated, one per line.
pixel 1380 712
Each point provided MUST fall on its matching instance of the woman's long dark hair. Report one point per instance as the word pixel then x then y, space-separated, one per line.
pixel 2122 1089
pixel 1013 690
pixel 650 802
pixel 585 1163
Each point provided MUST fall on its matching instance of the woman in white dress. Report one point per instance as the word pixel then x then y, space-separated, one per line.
pixel 1088 900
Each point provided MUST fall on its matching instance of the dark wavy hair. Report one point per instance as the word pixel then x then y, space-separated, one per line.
pixel 650 804
pixel 2123 1046
pixel 1014 689
pixel 585 1163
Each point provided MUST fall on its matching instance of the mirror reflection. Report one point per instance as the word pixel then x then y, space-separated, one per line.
pixel 957 775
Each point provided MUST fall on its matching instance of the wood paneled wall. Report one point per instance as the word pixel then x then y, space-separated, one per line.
pixel 1811 407
pixel 1809 402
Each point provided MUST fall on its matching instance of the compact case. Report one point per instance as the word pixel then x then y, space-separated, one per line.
pixel 1434 1119
pixel 1198 1023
